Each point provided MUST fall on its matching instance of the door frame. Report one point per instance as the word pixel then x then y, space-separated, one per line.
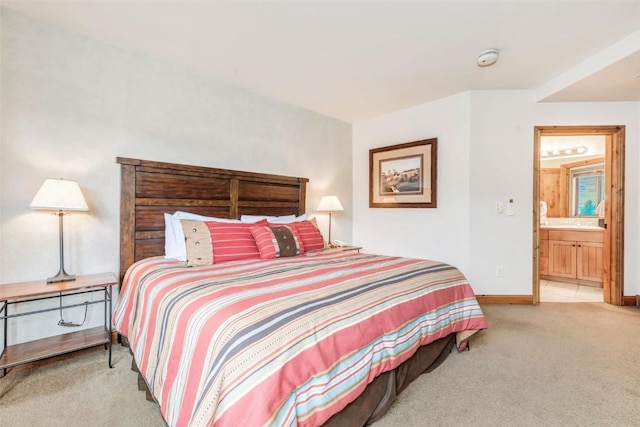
pixel 613 235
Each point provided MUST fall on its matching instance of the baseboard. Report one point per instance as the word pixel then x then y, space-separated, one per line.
pixel 505 299
pixel 632 301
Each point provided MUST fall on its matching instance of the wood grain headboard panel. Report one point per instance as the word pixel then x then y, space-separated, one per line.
pixel 150 189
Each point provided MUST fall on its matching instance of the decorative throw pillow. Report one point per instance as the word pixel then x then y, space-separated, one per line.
pixel 232 242
pixel 310 235
pixel 314 221
pixel 276 241
pixel 197 242
pixel 209 242
pixel 175 247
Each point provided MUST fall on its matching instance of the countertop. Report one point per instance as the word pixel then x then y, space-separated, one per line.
pixel 572 227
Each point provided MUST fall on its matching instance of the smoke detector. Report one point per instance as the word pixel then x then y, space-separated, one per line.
pixel 487 57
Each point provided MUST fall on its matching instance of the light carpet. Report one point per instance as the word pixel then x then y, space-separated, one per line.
pixel 550 365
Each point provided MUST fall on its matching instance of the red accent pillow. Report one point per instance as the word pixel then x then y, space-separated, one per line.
pixel 232 242
pixel 277 240
pixel 310 235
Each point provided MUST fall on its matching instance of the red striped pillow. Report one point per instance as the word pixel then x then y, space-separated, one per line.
pixel 310 235
pixel 277 241
pixel 232 242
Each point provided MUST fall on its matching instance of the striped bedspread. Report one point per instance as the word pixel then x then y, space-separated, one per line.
pixel 283 342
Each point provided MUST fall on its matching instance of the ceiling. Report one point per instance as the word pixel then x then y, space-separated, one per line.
pixel 353 60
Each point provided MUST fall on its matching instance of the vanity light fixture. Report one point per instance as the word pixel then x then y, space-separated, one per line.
pixel 563 152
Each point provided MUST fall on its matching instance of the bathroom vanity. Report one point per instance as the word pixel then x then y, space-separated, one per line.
pixel 571 254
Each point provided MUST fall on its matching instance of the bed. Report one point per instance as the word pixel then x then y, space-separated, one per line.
pixel 322 337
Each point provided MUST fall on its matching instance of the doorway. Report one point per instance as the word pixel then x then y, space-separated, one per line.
pixel 612 245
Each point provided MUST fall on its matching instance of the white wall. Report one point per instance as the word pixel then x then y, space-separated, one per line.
pixel 441 233
pixel 71 105
pixel 501 169
pixel 485 142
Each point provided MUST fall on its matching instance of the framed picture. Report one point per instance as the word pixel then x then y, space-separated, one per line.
pixel 403 175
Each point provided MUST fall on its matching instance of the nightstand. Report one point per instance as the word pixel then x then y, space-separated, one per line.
pixel 348 248
pixel 13 293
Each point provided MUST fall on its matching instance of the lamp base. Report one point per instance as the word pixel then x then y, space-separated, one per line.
pixel 61 277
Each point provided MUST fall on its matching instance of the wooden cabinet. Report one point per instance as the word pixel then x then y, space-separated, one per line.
pixel 562 259
pixel 589 261
pixel 544 252
pixel 572 255
pixel 553 191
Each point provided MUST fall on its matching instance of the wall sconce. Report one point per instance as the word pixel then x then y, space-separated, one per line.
pixel 60 195
pixel 329 204
pixel 563 152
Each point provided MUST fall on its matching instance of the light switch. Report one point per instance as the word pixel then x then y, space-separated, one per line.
pixel 510 207
pixel 499 207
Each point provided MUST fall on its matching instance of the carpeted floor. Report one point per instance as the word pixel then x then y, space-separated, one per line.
pixel 551 365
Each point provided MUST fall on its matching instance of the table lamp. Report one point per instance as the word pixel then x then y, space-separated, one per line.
pixel 60 195
pixel 329 204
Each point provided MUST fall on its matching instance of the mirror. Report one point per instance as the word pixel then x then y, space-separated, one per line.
pixel 572 175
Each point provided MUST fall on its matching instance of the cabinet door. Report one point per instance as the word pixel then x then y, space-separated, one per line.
pixel 562 259
pixel 590 261
pixel 544 257
pixel 544 266
pixel 551 191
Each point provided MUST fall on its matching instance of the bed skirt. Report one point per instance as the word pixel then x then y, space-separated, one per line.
pixel 377 398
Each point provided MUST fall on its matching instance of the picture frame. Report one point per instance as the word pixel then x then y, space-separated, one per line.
pixel 404 175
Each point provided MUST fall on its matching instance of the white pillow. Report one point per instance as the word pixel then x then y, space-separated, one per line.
pixel 285 219
pixel 170 250
pixel 177 249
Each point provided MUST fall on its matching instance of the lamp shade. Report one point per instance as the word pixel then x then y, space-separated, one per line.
pixel 330 204
pixel 59 194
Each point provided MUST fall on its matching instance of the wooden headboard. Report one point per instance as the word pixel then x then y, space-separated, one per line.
pixel 150 189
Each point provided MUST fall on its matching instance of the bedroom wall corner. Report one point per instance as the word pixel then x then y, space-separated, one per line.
pixel 72 104
pixel 485 149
